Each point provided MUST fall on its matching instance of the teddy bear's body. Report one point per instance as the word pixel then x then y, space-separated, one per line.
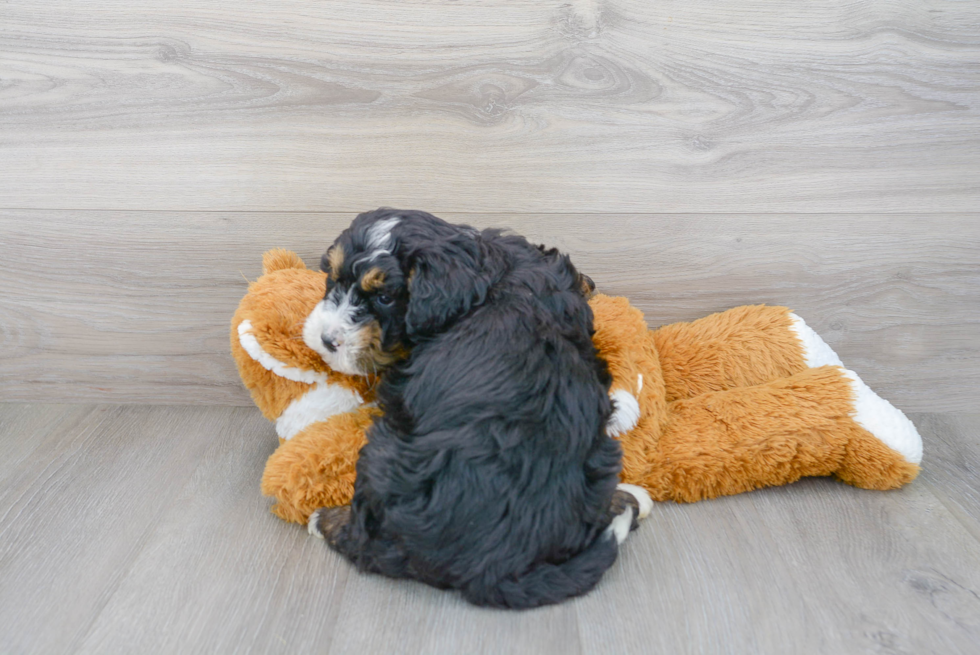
pixel 739 400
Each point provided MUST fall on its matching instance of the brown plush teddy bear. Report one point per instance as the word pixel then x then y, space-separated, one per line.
pixel 747 398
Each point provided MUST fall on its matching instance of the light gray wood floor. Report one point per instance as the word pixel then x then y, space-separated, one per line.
pixel 135 529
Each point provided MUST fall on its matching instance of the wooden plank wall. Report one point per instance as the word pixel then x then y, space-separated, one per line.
pixel 693 156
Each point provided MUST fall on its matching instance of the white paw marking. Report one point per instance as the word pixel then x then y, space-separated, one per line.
pixel 815 350
pixel 620 526
pixel 311 524
pixel 641 495
pixel 626 413
pixel 885 421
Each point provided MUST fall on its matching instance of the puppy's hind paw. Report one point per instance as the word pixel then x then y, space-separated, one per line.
pixel 312 524
pixel 326 522
pixel 629 504
pixel 643 501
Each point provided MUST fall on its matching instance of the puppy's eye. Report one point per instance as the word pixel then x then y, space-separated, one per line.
pixel 384 300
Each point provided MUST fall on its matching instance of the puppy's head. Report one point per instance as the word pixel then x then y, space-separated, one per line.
pixel 393 277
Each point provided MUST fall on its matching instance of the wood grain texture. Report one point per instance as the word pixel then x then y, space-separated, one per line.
pixel 23 429
pixel 141 529
pixel 952 464
pixel 134 307
pixel 381 617
pixel 470 105
pixel 221 574
pixel 75 514
pixel 815 567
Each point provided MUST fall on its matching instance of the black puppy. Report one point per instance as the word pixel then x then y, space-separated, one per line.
pixel 491 470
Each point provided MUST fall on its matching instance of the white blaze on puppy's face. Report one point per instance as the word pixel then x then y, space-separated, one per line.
pixel 331 331
pixel 341 328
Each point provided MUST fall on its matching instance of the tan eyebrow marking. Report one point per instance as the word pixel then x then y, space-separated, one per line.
pixel 372 280
pixel 335 257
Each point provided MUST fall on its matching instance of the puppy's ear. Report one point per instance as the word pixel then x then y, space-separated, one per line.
pixel 445 281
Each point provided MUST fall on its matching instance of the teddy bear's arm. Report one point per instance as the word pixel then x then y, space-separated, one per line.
pixel 621 335
pixel 728 442
pixel 624 342
pixel 317 467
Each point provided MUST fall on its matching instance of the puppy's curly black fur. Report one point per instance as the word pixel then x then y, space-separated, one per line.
pixel 490 471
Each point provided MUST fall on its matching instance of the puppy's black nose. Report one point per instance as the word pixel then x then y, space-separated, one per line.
pixel 329 344
pixel 587 285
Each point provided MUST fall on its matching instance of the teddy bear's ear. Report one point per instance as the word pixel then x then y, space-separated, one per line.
pixel 279 259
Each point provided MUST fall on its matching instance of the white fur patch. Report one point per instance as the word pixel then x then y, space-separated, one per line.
pixel 641 495
pixel 334 317
pixel 626 413
pixel 311 524
pixel 885 421
pixel 620 526
pixel 871 411
pixel 270 363
pixel 815 350
pixel 379 235
pixel 319 403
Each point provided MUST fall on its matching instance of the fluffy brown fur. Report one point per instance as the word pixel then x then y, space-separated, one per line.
pixel 277 305
pixel 727 402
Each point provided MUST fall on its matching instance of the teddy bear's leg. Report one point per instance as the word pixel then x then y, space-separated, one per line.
pixel 740 347
pixel 727 442
pixel 877 416
pixel 317 467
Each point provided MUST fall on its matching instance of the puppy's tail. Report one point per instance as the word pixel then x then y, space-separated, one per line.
pixel 546 583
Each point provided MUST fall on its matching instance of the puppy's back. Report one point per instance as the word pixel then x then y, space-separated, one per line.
pixel 497 427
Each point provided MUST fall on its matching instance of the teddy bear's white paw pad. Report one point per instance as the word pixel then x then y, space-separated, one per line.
pixel 884 420
pixel 816 352
pixel 626 413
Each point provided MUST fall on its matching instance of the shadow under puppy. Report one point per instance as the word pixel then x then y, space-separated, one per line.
pixel 490 470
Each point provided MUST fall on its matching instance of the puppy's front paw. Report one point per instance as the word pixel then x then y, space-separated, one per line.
pixel 326 522
pixel 626 413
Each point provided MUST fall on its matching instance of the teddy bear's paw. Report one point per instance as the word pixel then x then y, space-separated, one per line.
pixel 816 352
pixel 884 420
pixel 626 413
